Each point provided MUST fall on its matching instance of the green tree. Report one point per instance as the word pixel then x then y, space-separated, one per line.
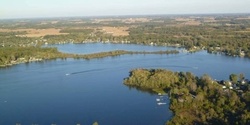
pixel 233 78
pixel 241 76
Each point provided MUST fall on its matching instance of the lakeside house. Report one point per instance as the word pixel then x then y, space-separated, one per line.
pixel 241 85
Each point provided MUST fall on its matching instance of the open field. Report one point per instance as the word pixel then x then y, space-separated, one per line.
pixel 192 23
pixel 244 18
pixel 116 31
pixel 35 32
pixel 188 21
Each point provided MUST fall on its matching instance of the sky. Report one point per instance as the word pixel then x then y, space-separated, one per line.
pixel 70 8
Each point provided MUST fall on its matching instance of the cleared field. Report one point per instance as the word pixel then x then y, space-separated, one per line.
pixel 183 19
pixel 209 20
pixel 116 31
pixel 35 32
pixel 243 18
pixel 192 23
pixel 188 21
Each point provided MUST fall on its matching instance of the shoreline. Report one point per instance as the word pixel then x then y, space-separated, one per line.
pixel 192 97
pixel 85 56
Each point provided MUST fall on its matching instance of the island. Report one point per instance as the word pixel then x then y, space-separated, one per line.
pixel 197 100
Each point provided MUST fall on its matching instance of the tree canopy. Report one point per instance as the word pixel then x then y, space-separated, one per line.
pixel 194 100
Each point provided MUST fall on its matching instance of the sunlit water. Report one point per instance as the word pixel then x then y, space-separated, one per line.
pixel 101 47
pixel 71 91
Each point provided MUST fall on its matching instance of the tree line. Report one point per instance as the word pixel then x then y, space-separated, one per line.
pixel 16 55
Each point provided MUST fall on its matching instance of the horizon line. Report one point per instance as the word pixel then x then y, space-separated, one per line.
pixel 126 15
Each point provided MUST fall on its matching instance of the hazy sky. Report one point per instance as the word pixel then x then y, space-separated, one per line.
pixel 64 8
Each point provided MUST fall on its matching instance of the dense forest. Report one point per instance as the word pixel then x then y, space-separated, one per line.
pixel 16 55
pixel 196 100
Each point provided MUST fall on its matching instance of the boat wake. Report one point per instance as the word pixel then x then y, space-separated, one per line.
pixel 161 103
pixel 85 71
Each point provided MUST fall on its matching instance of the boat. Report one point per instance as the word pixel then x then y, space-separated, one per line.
pixel 161 103
pixel 158 100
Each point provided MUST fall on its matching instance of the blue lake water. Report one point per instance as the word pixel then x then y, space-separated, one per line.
pixel 101 47
pixel 67 92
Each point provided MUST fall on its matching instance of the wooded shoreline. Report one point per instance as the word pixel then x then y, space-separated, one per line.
pixel 196 100
pixel 16 55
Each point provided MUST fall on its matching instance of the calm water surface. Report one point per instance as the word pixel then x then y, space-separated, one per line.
pixel 100 47
pixel 83 91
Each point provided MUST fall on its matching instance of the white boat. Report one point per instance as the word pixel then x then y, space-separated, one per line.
pixel 158 100
pixel 161 103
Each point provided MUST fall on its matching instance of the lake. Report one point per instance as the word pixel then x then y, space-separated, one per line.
pixel 104 47
pixel 68 92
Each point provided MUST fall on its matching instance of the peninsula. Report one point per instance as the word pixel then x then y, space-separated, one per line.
pixel 197 100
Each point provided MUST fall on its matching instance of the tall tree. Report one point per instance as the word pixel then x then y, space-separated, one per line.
pixel 241 77
pixel 233 78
